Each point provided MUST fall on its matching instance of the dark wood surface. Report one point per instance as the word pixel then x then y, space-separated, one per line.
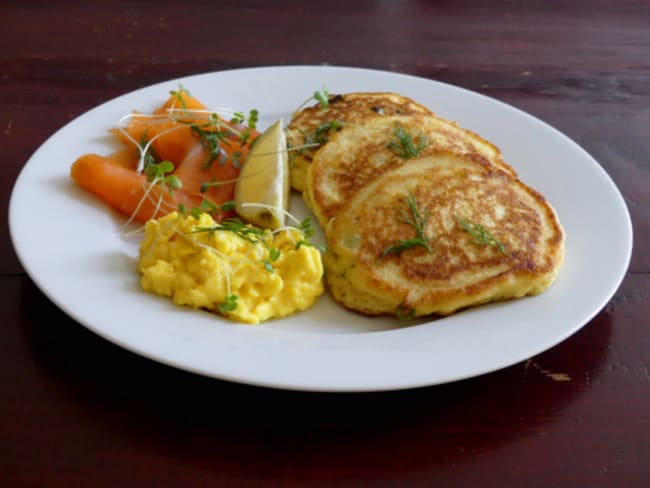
pixel 76 410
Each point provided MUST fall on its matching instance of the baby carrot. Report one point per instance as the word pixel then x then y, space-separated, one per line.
pixel 126 190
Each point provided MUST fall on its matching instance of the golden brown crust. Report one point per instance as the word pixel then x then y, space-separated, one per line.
pixel 362 151
pixel 344 109
pixel 457 272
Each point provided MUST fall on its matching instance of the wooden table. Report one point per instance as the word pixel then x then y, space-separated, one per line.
pixel 76 410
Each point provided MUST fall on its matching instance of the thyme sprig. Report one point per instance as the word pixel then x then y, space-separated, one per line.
pixel 406 145
pixel 480 234
pixel 418 221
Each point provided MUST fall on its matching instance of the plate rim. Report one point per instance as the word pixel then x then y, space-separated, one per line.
pixel 14 226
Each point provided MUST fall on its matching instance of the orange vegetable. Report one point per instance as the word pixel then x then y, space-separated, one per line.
pixel 219 175
pixel 171 132
pixel 124 189
pixel 180 100
pixel 115 178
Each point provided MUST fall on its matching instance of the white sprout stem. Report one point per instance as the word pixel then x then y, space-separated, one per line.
pixel 213 249
pixel 225 257
pixel 143 149
pixel 144 197
pixel 159 235
pixel 290 149
pixel 136 231
pixel 303 104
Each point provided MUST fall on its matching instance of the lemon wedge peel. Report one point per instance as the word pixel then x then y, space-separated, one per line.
pixel 262 190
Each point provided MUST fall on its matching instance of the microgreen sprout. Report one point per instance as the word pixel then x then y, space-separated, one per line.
pixel 229 304
pixel 322 96
pixel 213 183
pixel 320 135
pixel 161 173
pixel 238 118
pixel 212 137
pixel 404 313
pixel 178 94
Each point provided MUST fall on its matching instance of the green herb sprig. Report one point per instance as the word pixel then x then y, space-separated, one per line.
pixel 407 146
pixel 320 135
pixel 208 207
pixel 416 220
pixel 239 118
pixel 212 135
pixel 480 234
pixel 249 233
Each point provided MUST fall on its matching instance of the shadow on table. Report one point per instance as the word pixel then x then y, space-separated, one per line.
pixel 221 426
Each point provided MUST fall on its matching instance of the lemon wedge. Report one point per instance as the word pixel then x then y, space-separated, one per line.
pixel 262 189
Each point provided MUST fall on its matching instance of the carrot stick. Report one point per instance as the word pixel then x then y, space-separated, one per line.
pixel 125 189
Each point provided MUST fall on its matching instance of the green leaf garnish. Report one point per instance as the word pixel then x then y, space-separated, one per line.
pixel 211 136
pixel 229 304
pixel 404 313
pixel 406 146
pixel 240 118
pixel 306 227
pixel 415 220
pixel 274 254
pixel 253 118
pixel 208 207
pixel 159 173
pixel 322 96
pixel 178 94
pixel 229 205
pixel 247 232
pixel 320 135
pixel 480 234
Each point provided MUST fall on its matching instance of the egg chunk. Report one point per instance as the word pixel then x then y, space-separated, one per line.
pixel 245 273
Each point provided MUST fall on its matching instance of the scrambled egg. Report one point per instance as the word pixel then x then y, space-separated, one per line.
pixel 247 275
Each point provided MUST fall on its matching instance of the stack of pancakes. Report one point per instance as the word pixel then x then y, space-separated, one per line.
pixel 420 215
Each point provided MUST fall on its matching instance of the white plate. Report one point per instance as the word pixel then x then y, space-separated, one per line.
pixel 70 246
